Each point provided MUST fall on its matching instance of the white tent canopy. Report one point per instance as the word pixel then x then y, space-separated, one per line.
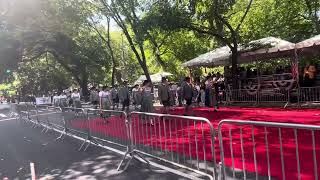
pixel 314 41
pixel 264 48
pixel 155 78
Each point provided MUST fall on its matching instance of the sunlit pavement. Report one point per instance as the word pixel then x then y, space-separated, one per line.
pixel 20 144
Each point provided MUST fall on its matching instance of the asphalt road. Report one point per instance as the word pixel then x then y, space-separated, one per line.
pixel 20 144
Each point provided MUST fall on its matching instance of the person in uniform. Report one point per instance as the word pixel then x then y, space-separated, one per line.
pixel 94 97
pixel 208 91
pixel 63 100
pixel 115 97
pixel 56 99
pixel 187 94
pixel 215 93
pixel 164 95
pixel 75 96
pixel 173 93
pixel 124 96
pixel 136 96
pixel 147 99
pixel 105 99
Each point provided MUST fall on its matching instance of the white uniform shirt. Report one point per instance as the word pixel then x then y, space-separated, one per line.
pixel 75 96
pixel 104 95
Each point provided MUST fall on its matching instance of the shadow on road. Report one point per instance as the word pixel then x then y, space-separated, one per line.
pixel 21 144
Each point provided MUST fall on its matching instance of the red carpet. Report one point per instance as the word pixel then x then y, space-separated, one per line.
pixel 179 136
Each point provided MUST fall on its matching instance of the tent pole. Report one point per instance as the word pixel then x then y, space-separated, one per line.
pixel 190 74
pixel 296 60
pixel 259 80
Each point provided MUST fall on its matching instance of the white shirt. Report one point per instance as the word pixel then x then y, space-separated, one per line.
pixel 63 97
pixel 75 96
pixel 104 96
pixel 198 88
pixel 55 99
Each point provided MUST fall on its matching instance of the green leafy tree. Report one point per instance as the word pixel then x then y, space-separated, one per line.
pixel 204 17
pixel 128 16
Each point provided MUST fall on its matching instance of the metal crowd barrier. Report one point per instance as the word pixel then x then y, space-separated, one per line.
pixel 47 116
pixel 13 111
pixel 182 141
pixel 300 95
pixel 242 96
pixel 268 145
pixel 69 117
pixel 108 126
pixel 309 94
pixel 23 112
pixel 257 97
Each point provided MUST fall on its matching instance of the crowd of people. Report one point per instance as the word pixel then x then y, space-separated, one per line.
pixel 200 92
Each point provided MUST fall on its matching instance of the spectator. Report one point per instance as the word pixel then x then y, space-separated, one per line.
pixel 164 95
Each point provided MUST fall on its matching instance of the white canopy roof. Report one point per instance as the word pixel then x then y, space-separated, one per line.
pixel 264 48
pixel 155 78
pixel 314 41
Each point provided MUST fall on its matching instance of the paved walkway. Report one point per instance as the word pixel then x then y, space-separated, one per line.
pixel 20 144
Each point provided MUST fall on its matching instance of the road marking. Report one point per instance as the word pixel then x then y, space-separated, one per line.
pixel 33 171
pixel 9 119
pixel 3 115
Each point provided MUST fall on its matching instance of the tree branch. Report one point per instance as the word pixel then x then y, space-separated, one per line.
pixel 244 16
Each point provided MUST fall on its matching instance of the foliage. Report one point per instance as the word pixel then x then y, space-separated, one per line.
pixel 153 36
pixel 42 76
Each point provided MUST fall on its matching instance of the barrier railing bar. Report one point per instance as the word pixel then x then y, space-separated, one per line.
pixel 242 155
pixel 196 141
pixel 281 155
pixel 231 151
pixel 254 152
pixel 189 140
pixel 267 151
pixel 204 148
pixel 297 153
pixel 183 146
pixel 170 135
pixel 315 166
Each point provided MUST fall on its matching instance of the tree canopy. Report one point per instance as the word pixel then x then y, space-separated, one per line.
pixel 81 42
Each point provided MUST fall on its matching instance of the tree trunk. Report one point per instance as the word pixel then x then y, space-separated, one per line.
pixel 84 87
pixel 145 70
pixel 113 75
pixel 84 84
pixel 114 63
